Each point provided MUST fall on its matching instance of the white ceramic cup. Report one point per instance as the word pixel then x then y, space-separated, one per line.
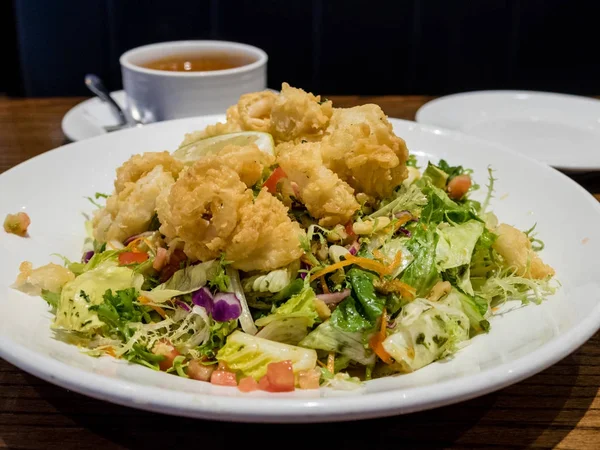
pixel 155 95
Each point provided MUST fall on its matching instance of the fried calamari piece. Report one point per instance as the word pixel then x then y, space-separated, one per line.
pixel 265 237
pixel 251 113
pixel 297 114
pixel 248 161
pixel 204 207
pixel 361 147
pixel 514 246
pixel 130 210
pixel 50 277
pixel 139 165
pixel 324 194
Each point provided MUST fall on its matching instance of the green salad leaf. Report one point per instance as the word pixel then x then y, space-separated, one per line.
pixel 422 273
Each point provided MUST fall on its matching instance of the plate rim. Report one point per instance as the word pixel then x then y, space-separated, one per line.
pixel 425 109
pixel 306 410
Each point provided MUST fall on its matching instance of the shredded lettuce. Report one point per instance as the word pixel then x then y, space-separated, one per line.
pixel 251 355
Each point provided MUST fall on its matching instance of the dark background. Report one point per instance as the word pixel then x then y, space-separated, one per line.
pixel 335 47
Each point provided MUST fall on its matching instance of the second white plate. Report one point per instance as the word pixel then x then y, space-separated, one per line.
pixel 557 129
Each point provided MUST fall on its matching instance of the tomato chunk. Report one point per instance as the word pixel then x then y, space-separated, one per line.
pixel 271 183
pixel 349 229
pixel 458 186
pixel 280 376
pixel 264 384
pixel 248 384
pixel 223 378
pixel 198 371
pixel 128 258
pixel 166 349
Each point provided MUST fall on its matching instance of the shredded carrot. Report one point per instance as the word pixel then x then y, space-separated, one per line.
pixel 321 364
pixel 376 341
pixel 145 301
pixel 380 256
pixel 331 362
pixel 324 285
pixel 110 351
pixel 331 268
pixel 365 263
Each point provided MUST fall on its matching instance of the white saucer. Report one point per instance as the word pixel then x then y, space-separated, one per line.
pixel 87 119
pixel 557 129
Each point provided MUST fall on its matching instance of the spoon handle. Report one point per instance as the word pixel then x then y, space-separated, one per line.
pixel 94 84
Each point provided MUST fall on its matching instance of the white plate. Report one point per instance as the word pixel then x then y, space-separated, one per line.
pixel 87 119
pixel 557 129
pixel 52 186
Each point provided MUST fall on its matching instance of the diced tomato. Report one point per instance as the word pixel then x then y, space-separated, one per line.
pixel 166 349
pixel 223 378
pixel 280 376
pixel 128 258
pixel 349 230
pixel 198 371
pixel 271 183
pixel 309 379
pixel 263 384
pixel 458 186
pixel 248 384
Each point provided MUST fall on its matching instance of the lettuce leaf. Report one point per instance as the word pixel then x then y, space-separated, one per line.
pixel 251 355
pixel 289 330
pixel 300 305
pixel 456 243
pixel 331 339
pixel 422 273
pixel 476 308
pixel 183 281
pixel 407 199
pixel 426 331
pixel 74 313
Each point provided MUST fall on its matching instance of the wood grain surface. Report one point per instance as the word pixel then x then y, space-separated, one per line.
pixel 558 408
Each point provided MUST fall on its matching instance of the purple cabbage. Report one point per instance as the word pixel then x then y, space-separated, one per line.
pixel 87 256
pixel 222 306
pixel 226 306
pixel 334 298
pixel 203 297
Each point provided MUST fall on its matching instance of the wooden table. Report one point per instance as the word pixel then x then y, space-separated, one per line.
pixel 559 407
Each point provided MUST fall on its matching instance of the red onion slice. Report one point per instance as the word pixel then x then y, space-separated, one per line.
pixel 226 306
pixel 183 305
pixel 353 249
pixel 203 297
pixel 334 298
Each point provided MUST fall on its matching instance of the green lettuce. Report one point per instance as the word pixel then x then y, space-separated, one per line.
pixel 476 308
pixel 407 199
pixel 289 330
pixel 183 281
pixel 456 243
pixel 74 312
pixel 426 331
pixel 300 305
pixel 331 339
pixel 251 355
pixel 422 273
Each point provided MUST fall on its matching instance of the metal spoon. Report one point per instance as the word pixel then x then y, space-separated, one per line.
pixel 94 84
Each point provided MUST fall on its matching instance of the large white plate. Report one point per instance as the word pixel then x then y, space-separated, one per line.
pixel 557 129
pixel 52 187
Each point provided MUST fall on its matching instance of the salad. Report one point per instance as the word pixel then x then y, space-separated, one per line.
pixel 295 245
